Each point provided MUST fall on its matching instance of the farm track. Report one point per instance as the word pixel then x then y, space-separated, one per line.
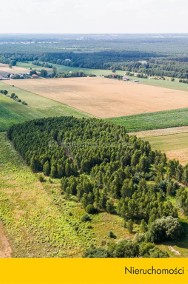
pixel 5 248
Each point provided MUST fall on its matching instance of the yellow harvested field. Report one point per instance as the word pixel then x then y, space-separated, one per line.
pixel 161 132
pixel 106 98
pixel 13 70
pixel 172 141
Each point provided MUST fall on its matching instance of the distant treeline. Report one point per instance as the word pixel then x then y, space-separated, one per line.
pixel 149 64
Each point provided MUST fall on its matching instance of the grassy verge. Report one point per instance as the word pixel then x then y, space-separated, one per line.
pixel 156 120
pixel 37 219
pixel 12 112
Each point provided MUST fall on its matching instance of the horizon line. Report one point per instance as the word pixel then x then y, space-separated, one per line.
pixel 94 33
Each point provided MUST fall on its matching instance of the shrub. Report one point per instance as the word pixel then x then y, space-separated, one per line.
pixel 41 178
pixel 124 249
pixel 112 235
pixel 130 226
pixel 96 253
pixel 164 229
pixel 85 218
pixel 150 250
pixel 90 209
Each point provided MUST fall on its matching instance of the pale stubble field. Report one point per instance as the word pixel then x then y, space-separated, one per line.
pixel 105 98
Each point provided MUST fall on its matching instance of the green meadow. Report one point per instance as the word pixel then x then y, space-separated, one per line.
pixel 155 120
pixel 12 112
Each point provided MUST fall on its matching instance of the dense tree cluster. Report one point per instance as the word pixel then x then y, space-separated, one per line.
pixel 102 166
pixel 126 249
pixel 70 74
pixel 42 64
pixel 182 198
pixel 166 228
pixel 161 67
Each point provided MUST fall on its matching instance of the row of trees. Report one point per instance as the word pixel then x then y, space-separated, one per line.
pixel 13 96
pixel 126 249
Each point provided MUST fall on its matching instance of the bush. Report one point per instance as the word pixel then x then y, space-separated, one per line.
pixel 41 178
pixel 89 227
pixel 96 253
pixel 85 218
pixel 112 235
pixel 90 209
pixel 130 226
pixel 157 253
pixel 145 248
pixel 164 229
pixel 127 249
pixel 124 249
pixel 149 250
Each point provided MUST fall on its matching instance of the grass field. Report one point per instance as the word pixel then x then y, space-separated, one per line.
pixel 174 145
pixel 157 120
pixel 65 69
pixel 15 69
pixel 29 66
pixel 12 112
pixel 164 83
pixel 105 98
pixel 37 219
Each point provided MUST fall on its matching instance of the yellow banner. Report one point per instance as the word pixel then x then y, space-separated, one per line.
pixel 93 271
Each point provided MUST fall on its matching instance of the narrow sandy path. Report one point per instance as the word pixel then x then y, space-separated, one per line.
pixel 5 248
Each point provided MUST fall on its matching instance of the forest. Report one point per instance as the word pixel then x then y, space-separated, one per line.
pixel 105 169
pixel 145 54
pixel 146 63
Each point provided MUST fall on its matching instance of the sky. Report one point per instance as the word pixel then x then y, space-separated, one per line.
pixel 94 16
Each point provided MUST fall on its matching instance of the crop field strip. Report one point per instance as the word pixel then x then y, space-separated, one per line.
pixel 173 141
pixel 12 112
pixel 167 83
pixel 105 98
pixel 174 145
pixel 155 120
